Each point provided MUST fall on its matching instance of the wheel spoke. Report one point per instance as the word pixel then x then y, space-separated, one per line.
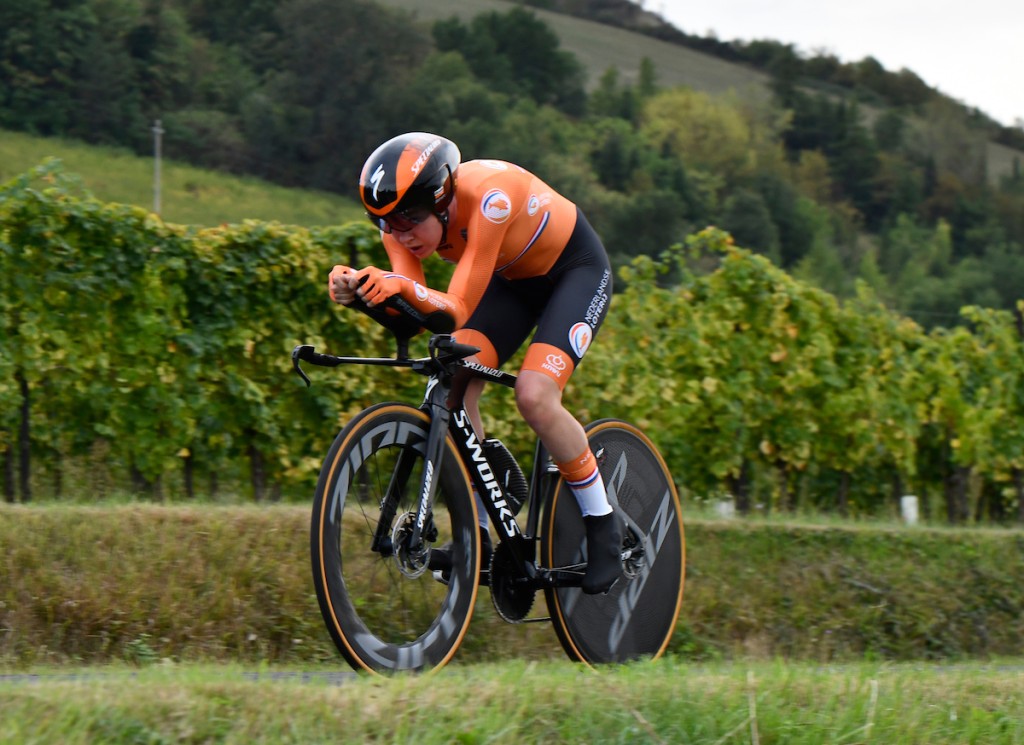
pixel 384 611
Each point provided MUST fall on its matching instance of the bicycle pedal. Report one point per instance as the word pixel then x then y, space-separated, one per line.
pixel 439 576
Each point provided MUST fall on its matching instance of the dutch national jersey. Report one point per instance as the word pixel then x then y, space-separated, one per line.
pixel 507 221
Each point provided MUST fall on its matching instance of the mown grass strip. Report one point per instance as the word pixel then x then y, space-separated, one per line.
pixel 513 702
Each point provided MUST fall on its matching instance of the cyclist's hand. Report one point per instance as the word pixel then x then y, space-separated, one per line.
pixel 375 285
pixel 341 285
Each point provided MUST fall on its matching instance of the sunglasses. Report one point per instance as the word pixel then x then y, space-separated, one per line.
pixel 400 221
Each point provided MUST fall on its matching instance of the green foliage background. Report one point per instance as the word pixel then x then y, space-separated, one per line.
pixel 158 352
pixel 838 172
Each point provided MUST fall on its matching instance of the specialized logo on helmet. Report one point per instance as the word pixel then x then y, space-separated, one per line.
pixel 425 156
pixel 376 178
pixel 555 363
pixel 580 336
pixel 496 206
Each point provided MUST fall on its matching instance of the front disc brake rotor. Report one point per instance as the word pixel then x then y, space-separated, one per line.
pixel 411 563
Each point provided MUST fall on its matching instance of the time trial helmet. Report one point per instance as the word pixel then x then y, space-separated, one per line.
pixel 408 178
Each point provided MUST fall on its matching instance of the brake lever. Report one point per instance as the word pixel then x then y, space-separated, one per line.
pixel 297 354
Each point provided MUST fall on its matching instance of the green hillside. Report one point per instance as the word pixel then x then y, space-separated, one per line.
pixel 838 172
pixel 189 195
pixel 599 46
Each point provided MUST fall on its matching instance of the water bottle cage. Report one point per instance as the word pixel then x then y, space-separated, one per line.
pixel 508 473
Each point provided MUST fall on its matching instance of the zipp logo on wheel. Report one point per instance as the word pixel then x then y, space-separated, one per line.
pixel 630 598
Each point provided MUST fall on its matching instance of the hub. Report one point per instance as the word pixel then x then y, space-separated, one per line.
pixel 411 560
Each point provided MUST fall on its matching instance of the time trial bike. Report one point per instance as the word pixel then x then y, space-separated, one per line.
pixel 397 484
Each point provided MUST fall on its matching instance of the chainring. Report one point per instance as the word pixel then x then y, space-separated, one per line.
pixel 511 592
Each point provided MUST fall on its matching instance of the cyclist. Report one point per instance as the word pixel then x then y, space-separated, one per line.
pixel 526 259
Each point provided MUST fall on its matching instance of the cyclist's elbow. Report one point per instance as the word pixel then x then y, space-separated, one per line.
pixel 440 322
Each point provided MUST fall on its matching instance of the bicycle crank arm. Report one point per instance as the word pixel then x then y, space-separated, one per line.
pixel 571 576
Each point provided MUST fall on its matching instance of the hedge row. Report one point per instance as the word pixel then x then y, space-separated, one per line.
pixel 156 350
pixel 140 583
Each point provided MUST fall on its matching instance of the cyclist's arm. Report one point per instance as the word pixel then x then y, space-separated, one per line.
pixel 406 284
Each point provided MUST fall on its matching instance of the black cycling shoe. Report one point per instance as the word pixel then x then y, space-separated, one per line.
pixel 440 561
pixel 604 553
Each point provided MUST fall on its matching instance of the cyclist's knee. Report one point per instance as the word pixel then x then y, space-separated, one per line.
pixel 538 397
pixel 471 403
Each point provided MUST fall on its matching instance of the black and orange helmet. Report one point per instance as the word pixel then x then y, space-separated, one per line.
pixel 411 172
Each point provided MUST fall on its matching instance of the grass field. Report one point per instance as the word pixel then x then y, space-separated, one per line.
pixel 200 626
pixel 189 195
pixel 518 702
pixel 1003 161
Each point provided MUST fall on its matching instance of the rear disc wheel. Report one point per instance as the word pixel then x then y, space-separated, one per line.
pixel 637 617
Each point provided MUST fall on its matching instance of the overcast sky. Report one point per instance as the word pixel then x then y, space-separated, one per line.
pixel 970 51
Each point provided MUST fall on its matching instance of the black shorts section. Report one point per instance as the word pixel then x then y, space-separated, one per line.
pixel 577 290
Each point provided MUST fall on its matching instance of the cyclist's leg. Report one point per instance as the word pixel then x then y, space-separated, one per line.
pixel 571 315
pixel 541 406
pixel 571 318
pixel 502 321
pixel 498 326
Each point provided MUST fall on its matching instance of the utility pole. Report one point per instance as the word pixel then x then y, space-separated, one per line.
pixel 158 132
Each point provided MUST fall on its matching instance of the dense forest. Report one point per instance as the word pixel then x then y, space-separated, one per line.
pixel 851 174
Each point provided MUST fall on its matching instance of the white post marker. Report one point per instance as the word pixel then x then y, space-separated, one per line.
pixel 908 509
pixel 158 132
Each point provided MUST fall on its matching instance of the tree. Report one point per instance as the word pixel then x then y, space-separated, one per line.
pixel 704 132
pixel 943 136
pixel 610 99
pixel 42 53
pixel 999 425
pixel 890 129
pixel 518 54
pixel 325 107
pixel 233 23
pixel 461 106
pixel 790 216
pixel 161 47
pixel 747 218
pixel 853 159
pixel 107 99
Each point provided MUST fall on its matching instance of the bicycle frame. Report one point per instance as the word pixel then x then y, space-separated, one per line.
pixel 448 371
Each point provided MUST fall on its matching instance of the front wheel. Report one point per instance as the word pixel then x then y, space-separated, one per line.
pixel 637 617
pixel 383 607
